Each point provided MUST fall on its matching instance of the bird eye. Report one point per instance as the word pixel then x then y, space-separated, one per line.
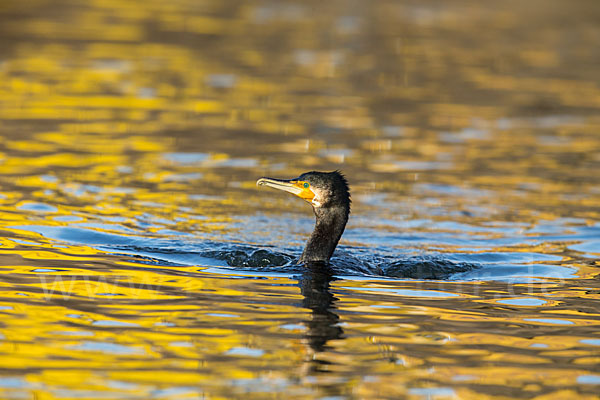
pixel 306 185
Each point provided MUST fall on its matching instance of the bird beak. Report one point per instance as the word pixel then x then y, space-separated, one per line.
pixel 299 188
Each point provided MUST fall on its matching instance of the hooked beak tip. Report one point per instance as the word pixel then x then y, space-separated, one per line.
pixel 261 182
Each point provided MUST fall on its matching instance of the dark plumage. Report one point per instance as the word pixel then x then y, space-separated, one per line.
pixel 329 196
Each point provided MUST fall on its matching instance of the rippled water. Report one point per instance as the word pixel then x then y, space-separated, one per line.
pixel 132 134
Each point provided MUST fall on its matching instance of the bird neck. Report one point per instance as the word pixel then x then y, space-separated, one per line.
pixel 329 226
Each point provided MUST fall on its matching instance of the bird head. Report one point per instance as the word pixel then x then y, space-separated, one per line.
pixel 320 189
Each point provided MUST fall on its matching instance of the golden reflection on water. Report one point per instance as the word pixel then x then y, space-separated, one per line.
pixel 468 129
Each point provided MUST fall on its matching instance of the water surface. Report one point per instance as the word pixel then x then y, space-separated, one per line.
pixel 132 134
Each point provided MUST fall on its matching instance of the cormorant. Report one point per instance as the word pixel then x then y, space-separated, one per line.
pixel 329 196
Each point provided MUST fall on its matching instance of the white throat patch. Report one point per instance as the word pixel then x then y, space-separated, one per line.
pixel 316 202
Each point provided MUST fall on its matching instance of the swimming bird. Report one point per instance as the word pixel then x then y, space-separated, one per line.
pixel 329 195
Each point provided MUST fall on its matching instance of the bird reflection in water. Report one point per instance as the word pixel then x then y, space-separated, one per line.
pixel 323 326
